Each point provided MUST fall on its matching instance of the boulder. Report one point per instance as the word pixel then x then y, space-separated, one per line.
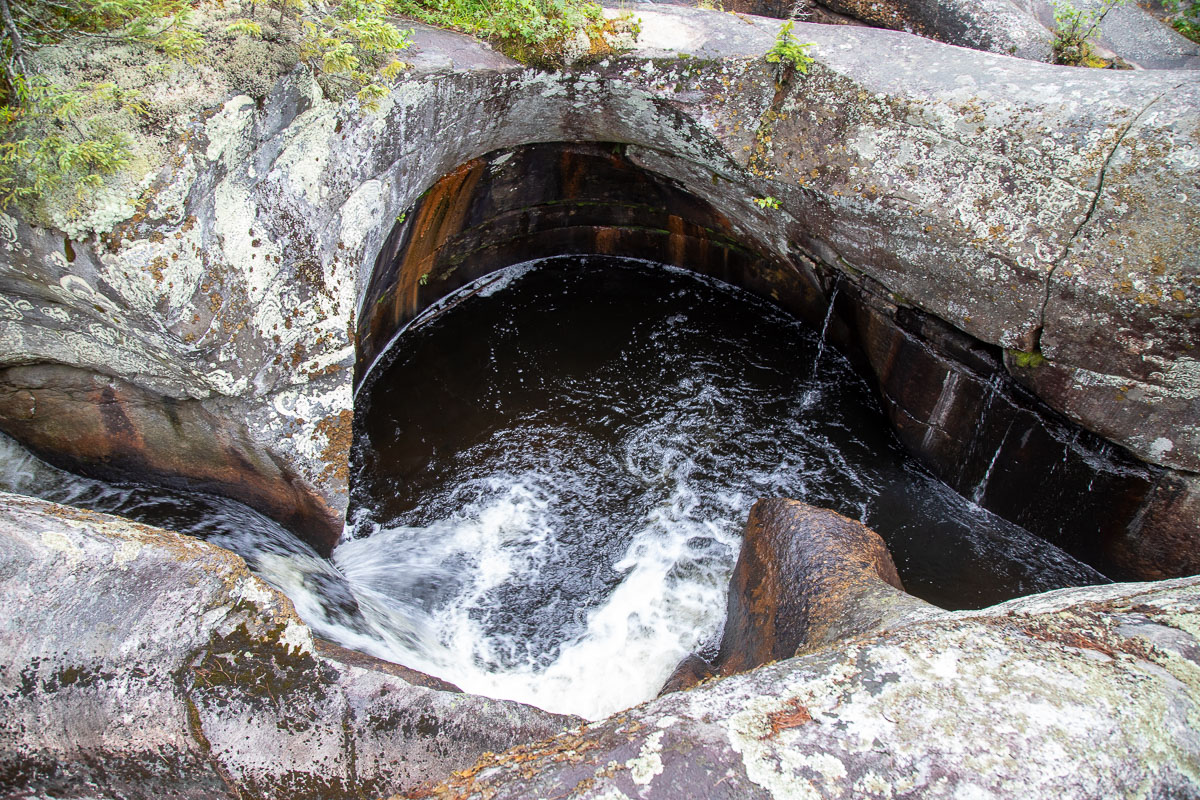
pixel 140 663
pixel 807 577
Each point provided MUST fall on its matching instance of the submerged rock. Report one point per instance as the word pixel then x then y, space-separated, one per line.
pixel 140 663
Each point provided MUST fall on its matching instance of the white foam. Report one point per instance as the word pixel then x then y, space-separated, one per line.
pixel 669 602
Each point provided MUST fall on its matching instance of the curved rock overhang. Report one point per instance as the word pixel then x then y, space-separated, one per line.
pixel 560 198
pixel 1043 212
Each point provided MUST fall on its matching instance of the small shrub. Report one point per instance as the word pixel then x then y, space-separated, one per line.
pixel 536 32
pixel 50 143
pixel 788 52
pixel 350 47
pixel 1072 30
pixel 767 202
pixel 1186 17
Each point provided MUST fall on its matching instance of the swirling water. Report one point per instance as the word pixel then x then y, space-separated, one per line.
pixel 550 480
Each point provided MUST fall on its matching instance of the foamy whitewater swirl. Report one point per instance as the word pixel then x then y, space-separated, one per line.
pixel 669 598
pixel 579 545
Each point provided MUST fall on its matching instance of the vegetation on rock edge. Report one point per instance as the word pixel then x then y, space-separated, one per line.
pixel 60 140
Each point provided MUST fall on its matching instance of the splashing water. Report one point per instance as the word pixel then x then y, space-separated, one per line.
pixel 564 497
pixel 551 478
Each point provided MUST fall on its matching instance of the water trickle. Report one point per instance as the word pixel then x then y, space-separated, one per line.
pixel 980 490
pixel 991 390
pixel 837 284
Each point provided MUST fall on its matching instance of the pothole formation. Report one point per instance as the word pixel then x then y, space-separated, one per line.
pixel 1008 235
pixel 948 395
pixel 551 475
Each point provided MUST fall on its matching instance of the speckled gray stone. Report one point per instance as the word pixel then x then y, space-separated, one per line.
pixel 140 663
pixel 1080 693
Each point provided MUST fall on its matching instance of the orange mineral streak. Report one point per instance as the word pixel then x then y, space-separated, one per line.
pixel 440 216
pixel 677 241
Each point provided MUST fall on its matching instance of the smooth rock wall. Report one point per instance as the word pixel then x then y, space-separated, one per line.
pixel 140 663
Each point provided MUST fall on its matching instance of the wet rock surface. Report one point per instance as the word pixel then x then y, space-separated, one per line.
pixel 112 429
pixel 141 663
pixel 807 577
pixel 1078 693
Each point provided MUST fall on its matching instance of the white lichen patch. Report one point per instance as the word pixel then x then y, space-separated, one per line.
pixel 227 131
pixel 248 251
pixel 253 590
pixel 61 543
pixel 1160 447
pixel 648 763
pixel 147 273
pixel 297 636
pixel 750 735
pixel 126 552
pixel 363 214
pixel 308 151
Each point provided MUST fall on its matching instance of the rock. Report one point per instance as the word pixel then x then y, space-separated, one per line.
pixel 997 26
pixel 953 404
pixel 692 671
pixel 140 663
pixel 1026 205
pixel 1164 538
pixel 1078 693
pixel 111 429
pixel 807 577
